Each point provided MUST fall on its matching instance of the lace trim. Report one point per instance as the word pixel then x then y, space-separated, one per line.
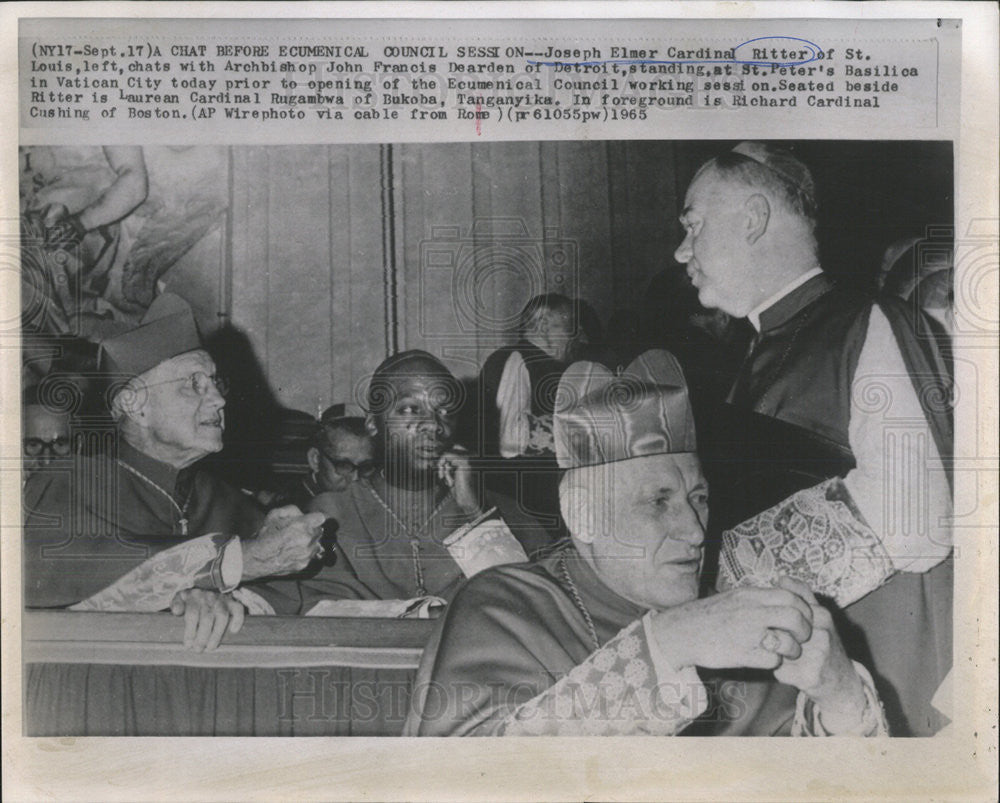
pixel 817 536
pixel 808 720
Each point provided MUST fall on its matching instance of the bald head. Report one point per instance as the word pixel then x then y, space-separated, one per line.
pixel 759 167
pixel 397 370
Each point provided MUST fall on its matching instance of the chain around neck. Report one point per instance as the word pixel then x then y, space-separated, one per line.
pixel 574 593
pixel 414 535
pixel 181 509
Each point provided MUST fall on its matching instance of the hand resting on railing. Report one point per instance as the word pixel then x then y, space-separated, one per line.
pixel 207 614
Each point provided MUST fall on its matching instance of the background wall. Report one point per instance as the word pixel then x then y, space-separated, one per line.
pixel 333 256
pixel 306 266
pixel 340 254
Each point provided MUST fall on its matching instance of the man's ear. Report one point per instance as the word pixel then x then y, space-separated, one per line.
pixel 312 457
pixel 758 212
pixel 130 403
pixel 370 425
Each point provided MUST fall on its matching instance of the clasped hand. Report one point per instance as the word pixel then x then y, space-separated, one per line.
pixel 783 629
pixel 286 542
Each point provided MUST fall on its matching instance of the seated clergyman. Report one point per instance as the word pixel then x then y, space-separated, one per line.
pixel 421 524
pixel 341 452
pixel 140 527
pixel 608 636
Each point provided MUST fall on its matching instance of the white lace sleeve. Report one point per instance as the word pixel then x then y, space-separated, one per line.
pixel 808 719
pixel 210 561
pixel 816 536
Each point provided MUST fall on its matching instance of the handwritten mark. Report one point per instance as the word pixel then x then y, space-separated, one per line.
pixel 816 51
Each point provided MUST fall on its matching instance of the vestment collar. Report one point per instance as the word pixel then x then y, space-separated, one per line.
pixel 794 297
pixel 603 604
pixel 163 474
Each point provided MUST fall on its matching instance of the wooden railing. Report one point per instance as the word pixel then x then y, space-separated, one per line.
pixel 107 674
pixel 142 639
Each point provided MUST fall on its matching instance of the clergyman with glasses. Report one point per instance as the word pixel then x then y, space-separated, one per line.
pixel 46 433
pixel 140 527
pixel 341 452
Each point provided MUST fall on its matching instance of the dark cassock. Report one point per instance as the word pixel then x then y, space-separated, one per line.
pixel 519 381
pixel 80 539
pixel 378 558
pixel 831 462
pixel 518 385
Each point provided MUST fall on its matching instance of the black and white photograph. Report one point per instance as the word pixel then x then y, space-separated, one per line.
pixel 581 436
pixel 217 343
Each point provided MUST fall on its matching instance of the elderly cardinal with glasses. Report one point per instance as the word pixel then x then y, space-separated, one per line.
pixel 139 527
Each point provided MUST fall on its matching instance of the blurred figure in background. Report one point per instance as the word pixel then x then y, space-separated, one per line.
pixel 46 432
pixel 518 387
pixel 519 382
pixel 921 270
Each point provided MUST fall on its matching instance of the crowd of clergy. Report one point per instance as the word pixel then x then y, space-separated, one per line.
pixel 711 535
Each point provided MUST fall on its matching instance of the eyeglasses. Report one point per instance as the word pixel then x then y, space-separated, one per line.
pixel 198 384
pixel 59 446
pixel 346 468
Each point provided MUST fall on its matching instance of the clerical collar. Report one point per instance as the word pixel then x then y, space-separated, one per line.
pixel 754 315
pixel 163 474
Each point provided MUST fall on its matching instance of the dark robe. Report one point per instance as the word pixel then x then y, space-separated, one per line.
pixel 374 557
pixel 302 492
pixel 531 479
pixel 92 521
pixel 513 656
pixel 786 429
